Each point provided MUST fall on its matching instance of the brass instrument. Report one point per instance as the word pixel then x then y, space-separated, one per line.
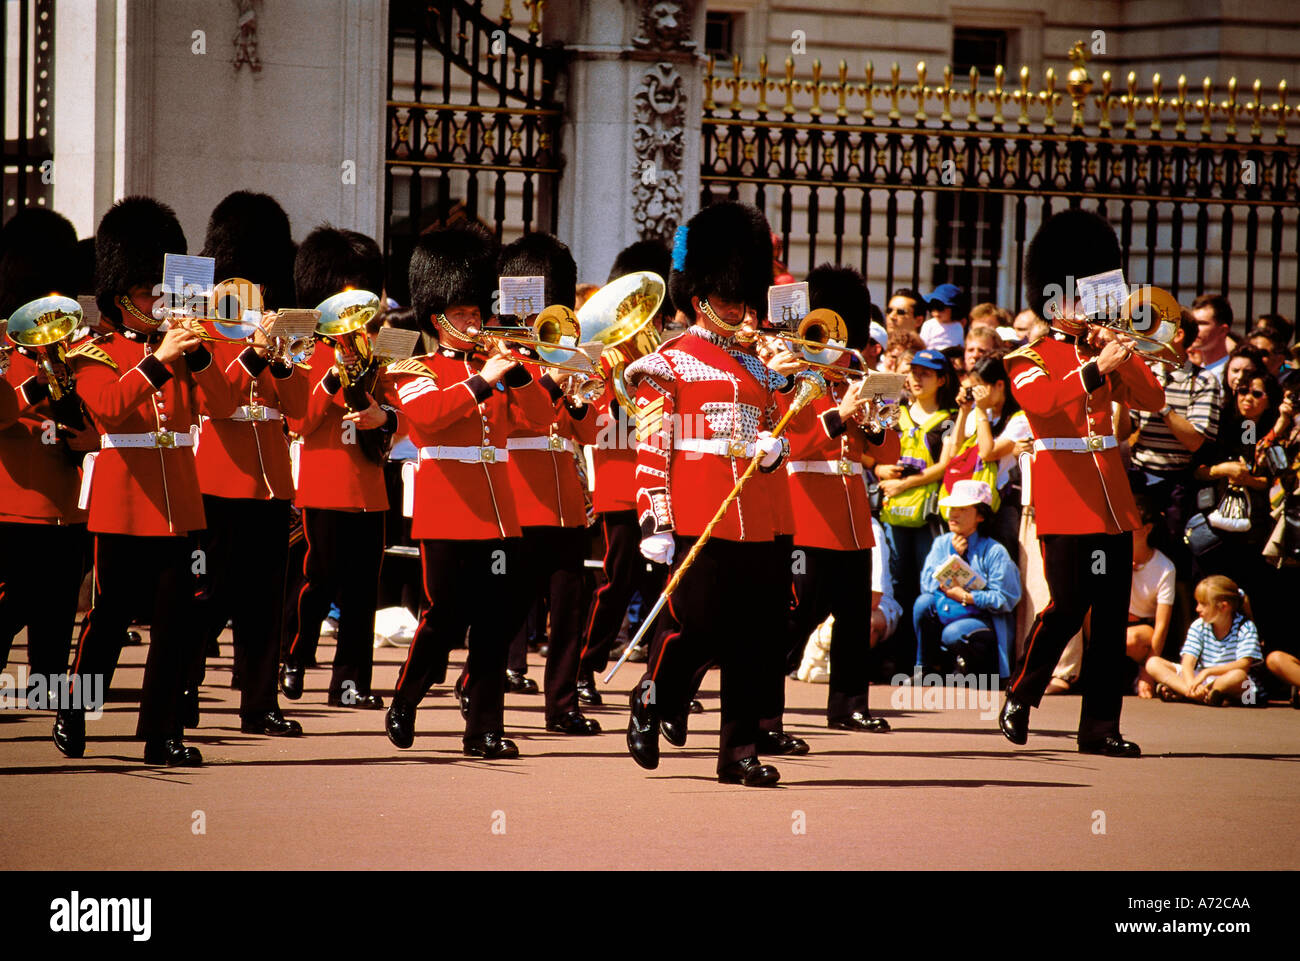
pixel 1151 317
pixel 552 327
pixel 42 328
pixel 620 316
pixel 342 326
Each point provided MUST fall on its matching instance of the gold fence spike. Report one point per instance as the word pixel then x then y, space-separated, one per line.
pixel 893 91
pixel 869 110
pixel 842 88
pixel 1281 110
pixel 999 76
pixel 972 118
pixel 788 109
pixel 1230 108
pixel 945 94
pixel 1256 109
pixel 762 85
pixel 1104 102
pixel 1206 106
pixel 506 15
pixel 1130 101
pixel 1022 97
pixel 920 92
pixel 1078 83
pixel 1156 102
pixel 735 84
pixel 815 88
pixel 1180 125
pixel 1048 97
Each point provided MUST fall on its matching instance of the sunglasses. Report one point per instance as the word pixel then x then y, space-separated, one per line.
pixel 1250 392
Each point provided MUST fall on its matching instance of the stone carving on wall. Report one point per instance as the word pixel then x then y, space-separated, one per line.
pixel 665 25
pixel 660 114
pixel 245 39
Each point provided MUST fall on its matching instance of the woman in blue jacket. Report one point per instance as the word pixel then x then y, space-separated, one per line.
pixel 967 624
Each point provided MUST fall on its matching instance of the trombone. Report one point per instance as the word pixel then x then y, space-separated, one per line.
pixel 552 327
pixel 1157 313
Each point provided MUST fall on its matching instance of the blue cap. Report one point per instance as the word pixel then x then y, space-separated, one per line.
pixel 945 294
pixel 932 359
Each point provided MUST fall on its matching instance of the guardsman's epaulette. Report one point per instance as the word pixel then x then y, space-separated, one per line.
pixel 1028 353
pixel 413 366
pixel 91 350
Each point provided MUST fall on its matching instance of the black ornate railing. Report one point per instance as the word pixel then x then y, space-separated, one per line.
pixel 1182 186
pixel 29 104
pixel 479 117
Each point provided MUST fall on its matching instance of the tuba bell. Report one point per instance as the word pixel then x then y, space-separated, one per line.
pixel 1151 317
pixel 42 329
pixel 620 316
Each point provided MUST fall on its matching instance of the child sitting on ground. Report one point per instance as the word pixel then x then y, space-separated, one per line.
pixel 1221 647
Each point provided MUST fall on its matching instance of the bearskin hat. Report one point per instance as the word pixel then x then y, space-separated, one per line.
pixel 248 236
pixel 332 260
pixel 129 247
pixel 652 255
pixel 1070 244
pixel 725 249
pixel 38 256
pixel 542 255
pixel 843 290
pixel 454 266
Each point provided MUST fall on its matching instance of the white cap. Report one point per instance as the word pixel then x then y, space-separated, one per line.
pixel 968 493
pixel 879 335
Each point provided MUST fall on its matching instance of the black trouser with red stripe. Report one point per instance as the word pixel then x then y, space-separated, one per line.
pixel 136 574
pixel 41 567
pixel 552 564
pixel 345 550
pixel 831 582
pixel 475 585
pixel 247 550
pixel 726 609
pixel 1085 572
pixel 625 571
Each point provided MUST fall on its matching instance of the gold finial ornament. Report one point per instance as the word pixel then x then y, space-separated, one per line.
pixel 1049 98
pixel 1206 106
pixel 920 92
pixel 893 91
pixel 762 85
pixel 972 118
pixel 1104 101
pixel 843 89
pixel 788 109
pixel 1281 109
pixel 1078 82
pixel 1022 97
pixel 815 88
pixel 999 77
pixel 869 109
pixel 1131 101
pixel 1180 125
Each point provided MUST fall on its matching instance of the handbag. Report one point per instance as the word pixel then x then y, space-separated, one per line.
pixel 1200 536
pixel 1233 512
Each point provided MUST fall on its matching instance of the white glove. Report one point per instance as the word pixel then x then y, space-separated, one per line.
pixel 658 548
pixel 770 447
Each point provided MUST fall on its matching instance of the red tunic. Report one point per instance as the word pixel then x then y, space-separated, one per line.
pixel 249 459
pixel 1078 492
pixel 39 484
pixel 694 390
pixel 831 510
pixel 614 457
pixel 332 473
pixel 447 404
pixel 146 492
pixel 545 483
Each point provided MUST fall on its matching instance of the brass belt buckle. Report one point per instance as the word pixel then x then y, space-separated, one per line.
pixel 844 467
pixel 737 449
pixel 256 412
pixel 1095 443
pixel 164 438
pixel 555 443
pixel 488 455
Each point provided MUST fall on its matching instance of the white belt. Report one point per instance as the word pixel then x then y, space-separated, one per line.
pixel 844 467
pixel 1076 445
pixel 469 455
pixel 721 446
pixel 550 442
pixel 255 412
pixel 157 438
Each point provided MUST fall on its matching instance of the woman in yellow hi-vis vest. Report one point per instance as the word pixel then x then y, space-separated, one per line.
pixel 911 487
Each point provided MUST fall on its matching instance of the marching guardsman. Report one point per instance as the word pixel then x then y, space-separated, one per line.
pixel 702 412
pixel 544 481
pixel 340 481
pixel 1081 497
pixel 244 469
pixel 460 404
pixel 43 541
pixel 142 388
pixel 614 500
pixel 831 510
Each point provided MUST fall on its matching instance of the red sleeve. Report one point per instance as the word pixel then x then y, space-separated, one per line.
pixel 318 402
pixel 531 407
pixel 654 433
pixel 887 451
pixel 1038 392
pixel 111 395
pixel 216 395
pixel 8 404
pixel 292 392
pixel 1134 384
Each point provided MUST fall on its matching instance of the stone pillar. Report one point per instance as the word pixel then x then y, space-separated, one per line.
pixel 631 134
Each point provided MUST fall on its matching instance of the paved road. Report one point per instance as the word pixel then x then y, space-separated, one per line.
pixel 944 790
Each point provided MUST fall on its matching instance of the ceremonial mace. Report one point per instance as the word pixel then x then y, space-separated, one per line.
pixel 811 385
